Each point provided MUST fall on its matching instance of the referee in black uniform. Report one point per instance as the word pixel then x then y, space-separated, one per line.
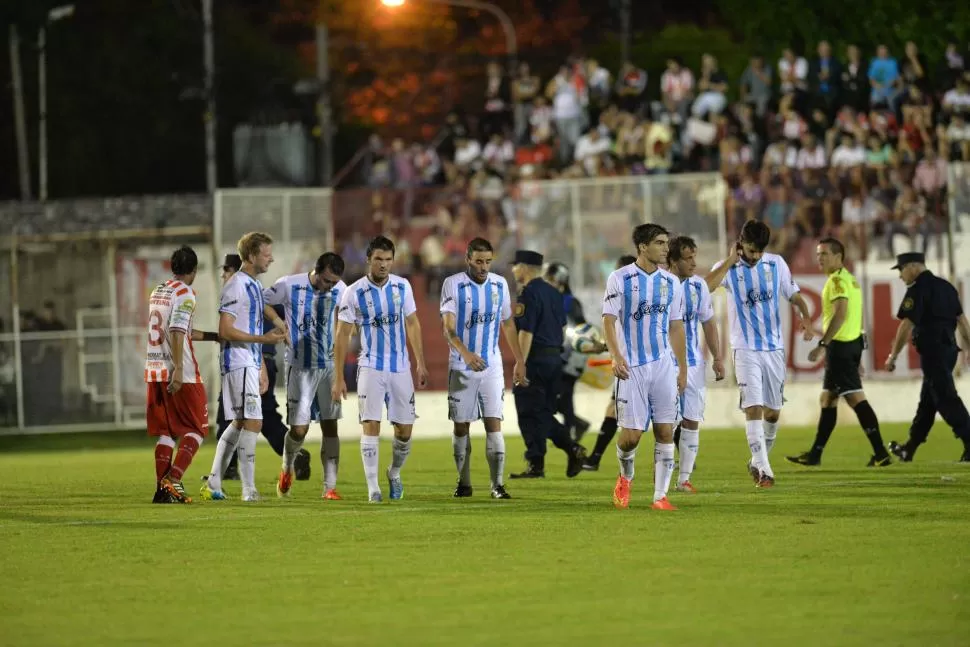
pixel 539 318
pixel 932 313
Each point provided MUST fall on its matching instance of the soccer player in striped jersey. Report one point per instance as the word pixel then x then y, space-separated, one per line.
pixel 310 302
pixel 241 313
pixel 474 305
pixel 698 313
pixel 646 302
pixel 608 426
pixel 756 282
pixel 178 410
pixel 381 305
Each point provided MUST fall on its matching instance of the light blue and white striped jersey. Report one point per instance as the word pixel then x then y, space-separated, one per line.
pixel 698 310
pixel 242 299
pixel 754 303
pixel 310 318
pixel 379 312
pixel 479 309
pixel 644 305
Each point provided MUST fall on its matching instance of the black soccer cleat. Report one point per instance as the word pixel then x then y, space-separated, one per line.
pixel 162 496
pixel 301 466
pixel 808 459
pixel 880 461
pixel 965 458
pixel 498 492
pixel 902 452
pixel 463 491
pixel 592 463
pixel 531 472
pixel 577 457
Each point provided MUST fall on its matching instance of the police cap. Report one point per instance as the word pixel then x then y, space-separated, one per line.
pixel 528 257
pixel 907 258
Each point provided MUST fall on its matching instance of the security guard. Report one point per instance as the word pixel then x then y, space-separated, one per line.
pixel 540 317
pixel 842 343
pixel 273 428
pixel 931 311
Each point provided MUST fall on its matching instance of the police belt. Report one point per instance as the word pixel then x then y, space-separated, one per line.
pixel 545 350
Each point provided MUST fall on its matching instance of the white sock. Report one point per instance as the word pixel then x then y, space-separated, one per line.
pixel 331 461
pixel 754 430
pixel 495 454
pixel 246 457
pixel 771 430
pixel 689 440
pixel 627 469
pixel 291 447
pixel 663 468
pixel 224 449
pixel 459 447
pixel 399 455
pixel 370 456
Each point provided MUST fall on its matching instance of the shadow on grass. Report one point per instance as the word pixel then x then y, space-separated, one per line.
pixel 69 442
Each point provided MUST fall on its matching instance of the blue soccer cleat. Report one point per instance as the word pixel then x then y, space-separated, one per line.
pixel 395 486
pixel 208 494
pixel 375 498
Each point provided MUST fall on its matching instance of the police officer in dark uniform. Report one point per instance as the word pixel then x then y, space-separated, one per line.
pixel 932 313
pixel 274 430
pixel 539 318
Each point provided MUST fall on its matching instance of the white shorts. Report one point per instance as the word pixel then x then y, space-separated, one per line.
pixel 761 378
pixel 649 394
pixel 694 396
pixel 240 394
pixel 308 395
pixel 473 395
pixel 377 388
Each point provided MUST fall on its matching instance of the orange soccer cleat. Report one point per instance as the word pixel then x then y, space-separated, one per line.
pixel 663 504
pixel 284 484
pixel 621 493
pixel 686 486
pixel 331 495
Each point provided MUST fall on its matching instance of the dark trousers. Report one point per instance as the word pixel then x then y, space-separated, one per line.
pixel 939 395
pixel 273 427
pixel 536 407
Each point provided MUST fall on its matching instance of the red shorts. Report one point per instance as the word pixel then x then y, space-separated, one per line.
pixel 178 414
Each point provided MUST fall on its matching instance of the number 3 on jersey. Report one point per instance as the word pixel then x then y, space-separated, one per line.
pixel 155 331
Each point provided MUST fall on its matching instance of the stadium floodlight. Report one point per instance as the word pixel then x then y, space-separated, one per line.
pixel 511 43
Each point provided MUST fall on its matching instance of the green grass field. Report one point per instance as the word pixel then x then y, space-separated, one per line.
pixel 837 555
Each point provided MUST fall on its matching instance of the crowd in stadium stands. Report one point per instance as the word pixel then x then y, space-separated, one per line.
pixel 855 144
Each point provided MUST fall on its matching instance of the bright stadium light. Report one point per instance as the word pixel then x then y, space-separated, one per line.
pixel 392 3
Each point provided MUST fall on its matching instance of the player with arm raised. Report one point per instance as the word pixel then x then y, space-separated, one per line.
pixel 646 302
pixel 177 410
pixel 310 303
pixel 474 305
pixel 698 313
pixel 241 313
pixel 382 305
pixel 756 281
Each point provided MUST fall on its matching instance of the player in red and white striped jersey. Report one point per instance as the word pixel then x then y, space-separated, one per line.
pixel 177 404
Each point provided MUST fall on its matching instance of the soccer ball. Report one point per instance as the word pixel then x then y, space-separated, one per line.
pixel 582 335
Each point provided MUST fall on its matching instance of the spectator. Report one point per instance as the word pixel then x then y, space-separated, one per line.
pixel 849 153
pixel 712 86
pixel 427 164
pixel 468 154
pixel 951 67
pixel 909 218
pixel 658 144
pixel 677 89
pixel 858 219
pixel 929 179
pixel 589 148
pixel 883 79
pixel 540 121
pixel 600 86
pixel 525 89
pixel 496 115
pixel 748 200
pixel 855 82
pixel 567 111
pixel 736 157
pixel 499 153
pixel 916 101
pixel 879 154
pixel 957 99
pixel 631 85
pixel 812 154
pixel 778 215
pixel 792 124
pixel 825 76
pixel 955 141
pixel 630 145
pixel 792 73
pixel 913 69
pixel 814 214
pixel 756 85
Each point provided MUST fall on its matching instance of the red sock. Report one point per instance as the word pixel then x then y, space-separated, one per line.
pixel 163 460
pixel 187 448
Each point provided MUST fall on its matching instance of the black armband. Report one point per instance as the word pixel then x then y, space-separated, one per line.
pixel 210 336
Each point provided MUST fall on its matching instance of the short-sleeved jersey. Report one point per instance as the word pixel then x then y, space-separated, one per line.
pixel 842 285
pixel 644 304
pixel 933 305
pixel 380 311
pixel 309 317
pixel 754 302
pixel 540 310
pixel 479 310
pixel 170 309
pixel 698 310
pixel 242 299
